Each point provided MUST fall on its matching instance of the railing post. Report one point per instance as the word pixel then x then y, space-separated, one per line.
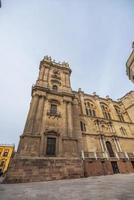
pixel 82 155
pixel 106 154
pixel 95 155
pixel 117 156
pixel 126 155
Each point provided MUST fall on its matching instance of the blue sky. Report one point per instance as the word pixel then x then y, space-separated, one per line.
pixel 94 36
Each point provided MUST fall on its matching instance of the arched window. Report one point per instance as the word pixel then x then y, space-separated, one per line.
pixel 55 87
pixel 90 109
pixel 119 114
pixel 105 110
pixel 110 149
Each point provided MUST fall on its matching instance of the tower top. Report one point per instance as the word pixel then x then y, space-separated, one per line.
pixel 49 60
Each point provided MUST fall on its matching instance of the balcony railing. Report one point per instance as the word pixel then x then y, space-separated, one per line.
pixel 94 155
pixel 122 155
pixel 130 155
pixel 105 155
pixel 55 114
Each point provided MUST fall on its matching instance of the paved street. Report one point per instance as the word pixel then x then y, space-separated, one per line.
pixel 113 187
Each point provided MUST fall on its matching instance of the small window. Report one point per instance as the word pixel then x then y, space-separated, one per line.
pixel 82 126
pixel 51 146
pixel 132 163
pixel 5 154
pixel 55 88
pixel 53 109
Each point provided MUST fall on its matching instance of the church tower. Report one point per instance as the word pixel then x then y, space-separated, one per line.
pixel 50 146
pixel 49 128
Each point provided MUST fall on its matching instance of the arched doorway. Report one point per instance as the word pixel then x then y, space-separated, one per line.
pixel 110 149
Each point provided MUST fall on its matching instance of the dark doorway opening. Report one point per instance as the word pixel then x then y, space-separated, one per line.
pixel 115 167
pixel 132 163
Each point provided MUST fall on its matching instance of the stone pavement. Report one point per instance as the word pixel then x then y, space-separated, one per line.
pixel 112 187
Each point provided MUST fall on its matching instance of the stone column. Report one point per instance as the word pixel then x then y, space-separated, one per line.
pixel 38 118
pixel 69 119
pixel 31 116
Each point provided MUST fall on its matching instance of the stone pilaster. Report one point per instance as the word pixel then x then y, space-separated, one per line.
pixel 76 126
pixel 102 145
pixel 69 119
pixel 31 115
pixel 116 144
pixel 67 80
pixel 41 73
pixel 119 144
pixel 100 114
pixel 113 111
pixel 38 118
pixel 65 133
pixel 83 110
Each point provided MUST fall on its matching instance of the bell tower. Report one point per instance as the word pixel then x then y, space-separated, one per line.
pixel 51 142
pixel 54 75
pixel 49 127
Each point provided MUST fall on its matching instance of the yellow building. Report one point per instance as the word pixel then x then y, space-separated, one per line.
pixel 6 152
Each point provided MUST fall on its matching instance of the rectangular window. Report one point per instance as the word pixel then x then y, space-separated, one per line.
pixel 51 146
pixel 132 163
pixel 53 109
pixel 82 126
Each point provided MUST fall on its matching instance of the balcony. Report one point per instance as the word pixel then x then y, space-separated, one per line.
pixel 130 155
pixel 122 155
pixel 105 155
pixel 94 155
pixel 53 114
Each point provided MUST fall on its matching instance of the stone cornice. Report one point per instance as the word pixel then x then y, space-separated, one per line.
pixel 47 90
pixel 105 135
pixel 112 120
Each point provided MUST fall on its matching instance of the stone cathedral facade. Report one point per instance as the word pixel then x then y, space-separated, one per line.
pixel 71 134
pixel 130 65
